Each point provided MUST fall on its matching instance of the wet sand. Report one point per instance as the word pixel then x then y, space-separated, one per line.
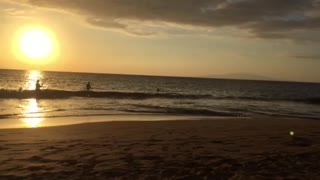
pixel 197 149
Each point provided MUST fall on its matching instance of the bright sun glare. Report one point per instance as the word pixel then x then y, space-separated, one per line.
pixel 35 44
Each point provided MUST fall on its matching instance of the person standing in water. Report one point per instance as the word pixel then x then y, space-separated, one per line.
pixel 38 86
pixel 88 86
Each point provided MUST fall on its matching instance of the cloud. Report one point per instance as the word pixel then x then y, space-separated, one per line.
pixel 263 18
pixel 20 13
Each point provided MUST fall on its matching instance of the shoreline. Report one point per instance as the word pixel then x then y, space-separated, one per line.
pixel 17 123
pixel 40 122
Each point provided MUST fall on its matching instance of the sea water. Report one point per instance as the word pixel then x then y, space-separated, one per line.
pixel 64 94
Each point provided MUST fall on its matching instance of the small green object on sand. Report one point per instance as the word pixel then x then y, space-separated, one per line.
pixel 291 133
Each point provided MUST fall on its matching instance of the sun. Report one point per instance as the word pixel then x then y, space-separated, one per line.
pixel 35 44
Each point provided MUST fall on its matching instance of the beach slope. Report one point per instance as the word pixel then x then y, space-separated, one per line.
pixel 197 149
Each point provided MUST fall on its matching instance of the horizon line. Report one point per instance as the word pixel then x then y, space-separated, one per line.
pixel 170 76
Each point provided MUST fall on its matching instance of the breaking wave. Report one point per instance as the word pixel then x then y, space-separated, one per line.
pixel 61 94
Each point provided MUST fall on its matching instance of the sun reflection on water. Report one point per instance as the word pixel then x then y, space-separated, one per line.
pixel 32 114
pixel 31 79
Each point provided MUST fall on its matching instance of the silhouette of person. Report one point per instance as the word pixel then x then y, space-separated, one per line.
pixel 38 86
pixel 88 86
pixel 158 90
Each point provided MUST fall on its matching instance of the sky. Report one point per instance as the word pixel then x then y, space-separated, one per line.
pixel 278 39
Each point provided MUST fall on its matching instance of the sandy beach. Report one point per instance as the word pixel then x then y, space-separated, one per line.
pixel 193 149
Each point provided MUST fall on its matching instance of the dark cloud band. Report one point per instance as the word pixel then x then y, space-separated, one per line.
pixel 264 18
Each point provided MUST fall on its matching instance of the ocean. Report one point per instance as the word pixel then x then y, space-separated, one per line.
pixel 64 95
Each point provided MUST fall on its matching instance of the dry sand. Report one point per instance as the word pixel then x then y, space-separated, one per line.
pixel 199 149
